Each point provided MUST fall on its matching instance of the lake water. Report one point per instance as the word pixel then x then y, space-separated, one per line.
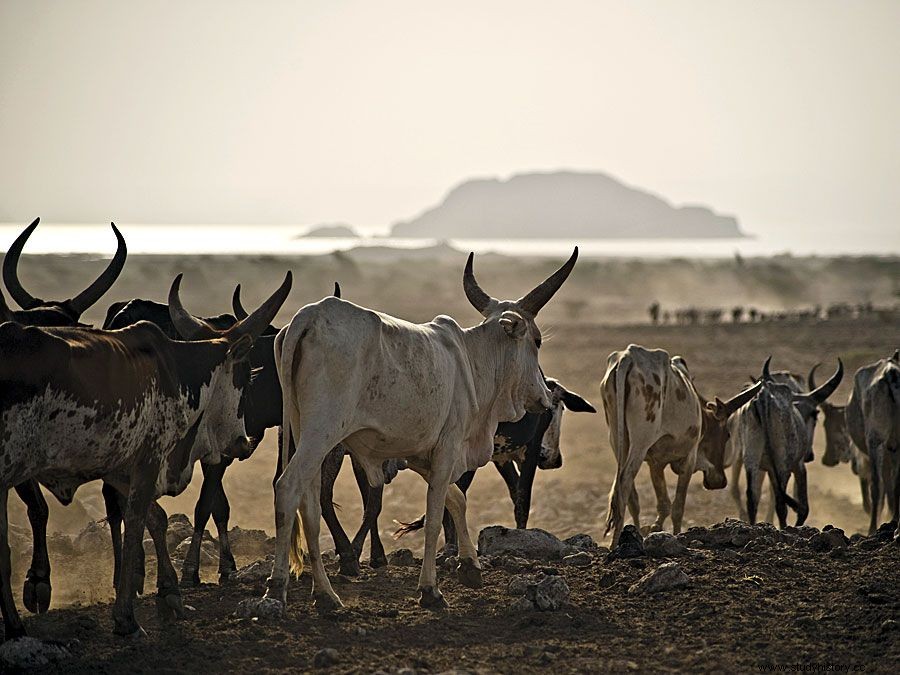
pixel 282 239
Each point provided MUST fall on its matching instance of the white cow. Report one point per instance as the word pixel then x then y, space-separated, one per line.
pixel 431 393
pixel 773 433
pixel 873 420
pixel 655 414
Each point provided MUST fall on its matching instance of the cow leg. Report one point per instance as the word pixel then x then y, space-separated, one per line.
pixel 874 486
pixel 36 591
pixel 801 495
pixel 451 546
pixel 326 600
pixel 438 484
pixel 140 495
pixel 114 518
pixel 634 508
pixel 754 485
pixel 468 571
pixel 12 623
pixel 221 513
pixel 168 595
pixel 780 503
pixel 770 511
pixel 663 505
pixel 620 495
pixel 372 499
pixel 525 484
pixel 735 488
pixel 212 479
pixel 681 490
pixel 866 497
pixel 349 558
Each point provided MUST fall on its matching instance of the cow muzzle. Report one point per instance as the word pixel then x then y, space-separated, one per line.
pixel 714 480
pixel 549 459
pixel 240 448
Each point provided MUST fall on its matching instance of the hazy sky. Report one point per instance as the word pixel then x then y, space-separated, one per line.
pixel 785 113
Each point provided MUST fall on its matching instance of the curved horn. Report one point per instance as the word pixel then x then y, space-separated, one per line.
pixel 540 296
pixel 811 378
pixel 896 355
pixel 766 375
pixel 239 312
pixel 479 299
pixel 820 394
pixel 10 275
pixel 104 282
pixel 337 290
pixel 189 327
pixel 731 406
pixel 260 319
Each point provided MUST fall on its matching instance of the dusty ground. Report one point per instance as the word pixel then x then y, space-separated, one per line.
pixel 806 608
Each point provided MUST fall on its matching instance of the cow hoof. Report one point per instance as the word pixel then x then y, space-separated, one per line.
pixel 469 573
pixel 36 594
pixel 226 577
pixel 431 598
pixel 189 579
pixel 326 604
pixel 139 584
pixel 378 561
pixel 349 567
pixel 276 589
pixel 130 630
pixel 170 607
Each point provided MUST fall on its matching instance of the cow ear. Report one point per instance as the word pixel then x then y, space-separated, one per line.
pixel 718 409
pixel 575 403
pixel 240 347
pixel 514 325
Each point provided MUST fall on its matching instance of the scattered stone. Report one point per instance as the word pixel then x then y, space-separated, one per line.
pixel 518 584
pixel 663 578
pixel 262 608
pixel 529 543
pixel 890 626
pixel 549 594
pixel 209 551
pixel 326 658
pixel 28 653
pixel 179 528
pixel 737 534
pixel 259 570
pixel 663 545
pixel 61 544
pixel 631 544
pixel 402 557
pixel 582 541
pixel 93 538
pixel 828 539
pixel 886 531
pixel 732 556
pixel 522 604
pixel 607 580
pixel 248 542
pixel 636 563
pixel 580 559
pixel 514 565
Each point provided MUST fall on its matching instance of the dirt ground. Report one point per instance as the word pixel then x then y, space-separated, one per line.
pixel 796 607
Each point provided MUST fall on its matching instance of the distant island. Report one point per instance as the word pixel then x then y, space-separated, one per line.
pixel 330 230
pixel 562 204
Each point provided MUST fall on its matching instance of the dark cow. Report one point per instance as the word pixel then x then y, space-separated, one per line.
pixel 36 591
pixel 130 406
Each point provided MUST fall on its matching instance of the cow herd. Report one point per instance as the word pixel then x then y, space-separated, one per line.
pixel 139 401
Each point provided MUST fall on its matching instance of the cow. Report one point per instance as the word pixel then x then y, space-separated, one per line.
pixel 431 394
pixel 873 420
pixel 37 589
pixel 655 414
pixel 130 406
pixel 520 448
pixel 773 432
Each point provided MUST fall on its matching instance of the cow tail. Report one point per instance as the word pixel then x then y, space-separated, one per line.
pixel 761 407
pixel 892 375
pixel 285 359
pixel 622 369
pixel 408 528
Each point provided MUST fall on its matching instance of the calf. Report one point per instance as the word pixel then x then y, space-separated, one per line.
pixel 773 432
pixel 655 414
pixel 873 420
pixel 130 406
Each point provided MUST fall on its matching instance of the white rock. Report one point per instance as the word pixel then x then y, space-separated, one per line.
pixel 262 608
pixel 663 578
pixel 530 543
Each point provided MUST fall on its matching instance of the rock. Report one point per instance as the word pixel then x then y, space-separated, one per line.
pixel 529 543
pixel 828 539
pixel 262 608
pixel 580 559
pixel 890 626
pixel 607 580
pixel 518 584
pixel 248 542
pixel 549 594
pixel 28 653
pixel 737 534
pixel 802 532
pixel 94 538
pixel 402 557
pixel 61 544
pixel 513 565
pixel 631 544
pixel 663 545
pixel 256 571
pixel 582 541
pixel 886 531
pixel 663 578
pixel 522 604
pixel 179 528
pixel 209 551
pixel 325 658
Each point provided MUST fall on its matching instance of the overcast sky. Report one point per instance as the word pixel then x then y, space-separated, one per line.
pixel 784 113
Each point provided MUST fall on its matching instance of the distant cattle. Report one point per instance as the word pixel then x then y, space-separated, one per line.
pixel 431 394
pixel 773 432
pixel 655 414
pixel 873 420
pixel 36 592
pixel 129 406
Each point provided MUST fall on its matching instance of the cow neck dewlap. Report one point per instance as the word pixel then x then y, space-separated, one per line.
pixel 494 391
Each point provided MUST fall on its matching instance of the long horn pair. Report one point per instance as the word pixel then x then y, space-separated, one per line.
pixel 532 303
pixel 725 409
pixel 238 308
pixel 819 395
pixel 80 302
pixel 192 328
